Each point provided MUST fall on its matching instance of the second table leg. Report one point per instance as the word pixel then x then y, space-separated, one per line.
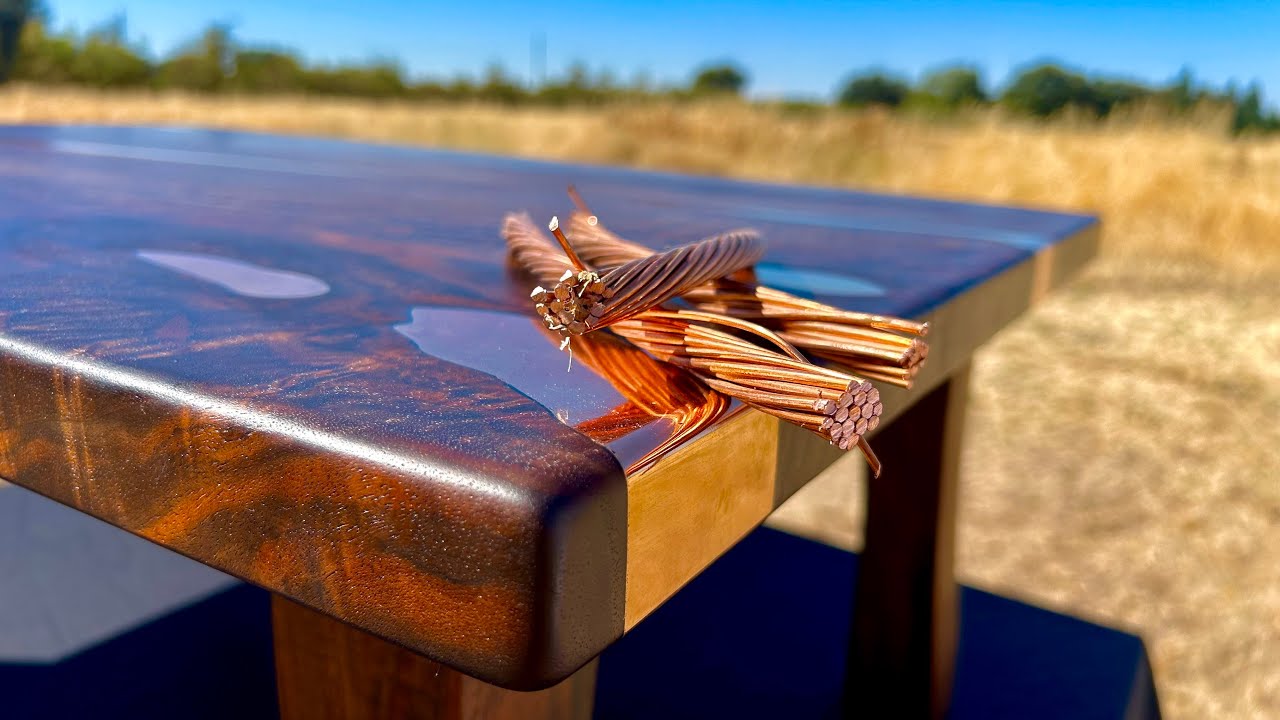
pixel 326 670
pixel 902 654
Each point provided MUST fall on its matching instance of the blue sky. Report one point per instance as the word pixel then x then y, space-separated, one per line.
pixel 799 49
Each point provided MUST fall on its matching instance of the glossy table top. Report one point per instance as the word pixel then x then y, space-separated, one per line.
pixel 304 362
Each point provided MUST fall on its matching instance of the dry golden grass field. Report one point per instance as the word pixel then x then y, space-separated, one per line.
pixel 1123 456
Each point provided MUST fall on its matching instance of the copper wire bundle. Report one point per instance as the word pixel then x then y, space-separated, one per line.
pixel 879 347
pixel 825 401
pixel 580 300
pixel 835 405
pixel 653 390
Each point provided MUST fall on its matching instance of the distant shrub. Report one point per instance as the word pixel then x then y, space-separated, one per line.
pixel 577 87
pixel 874 89
pixel 951 88
pixel 1249 115
pixel 722 78
pixel 43 57
pixel 203 66
pixel 213 62
pixel 1107 95
pixel 379 80
pixel 101 63
pixel 800 108
pixel 1182 95
pixel 266 71
pixel 500 87
pixel 1046 89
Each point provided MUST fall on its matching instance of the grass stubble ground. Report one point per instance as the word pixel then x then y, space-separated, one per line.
pixel 1122 460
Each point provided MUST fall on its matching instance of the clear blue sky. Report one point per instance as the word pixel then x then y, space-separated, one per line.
pixel 787 48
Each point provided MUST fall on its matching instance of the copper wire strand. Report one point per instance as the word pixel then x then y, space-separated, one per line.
pixel 657 389
pixel 650 281
pixel 604 248
pixel 872 461
pixel 580 301
pixel 554 226
pixel 735 323
pixel 863 342
pixel 780 384
pixel 754 302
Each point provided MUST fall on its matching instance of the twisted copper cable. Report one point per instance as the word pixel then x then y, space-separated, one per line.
pixel 533 254
pixel 657 389
pixel 580 300
pixel 600 247
pixel 837 406
pixel 661 390
pixel 863 342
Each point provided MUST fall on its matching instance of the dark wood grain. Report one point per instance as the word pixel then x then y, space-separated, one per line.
pixel 382 433
pixel 326 670
pixel 513 580
pixel 902 658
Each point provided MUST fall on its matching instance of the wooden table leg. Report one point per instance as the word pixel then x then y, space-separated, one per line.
pixel 902 654
pixel 328 670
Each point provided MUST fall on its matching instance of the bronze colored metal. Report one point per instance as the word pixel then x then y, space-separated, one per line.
pixel 881 347
pixel 776 378
pixel 645 282
pixel 656 389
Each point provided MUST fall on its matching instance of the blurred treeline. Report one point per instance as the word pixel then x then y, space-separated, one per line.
pixel 214 62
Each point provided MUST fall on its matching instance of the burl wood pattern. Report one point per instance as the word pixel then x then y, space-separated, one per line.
pixel 305 363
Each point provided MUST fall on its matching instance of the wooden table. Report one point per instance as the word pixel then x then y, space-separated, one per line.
pixel 304 363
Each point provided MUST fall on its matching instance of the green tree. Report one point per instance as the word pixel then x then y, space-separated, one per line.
pixel 1250 115
pixel 461 88
pixel 575 87
pixel 267 71
pixel 1182 93
pixel 13 15
pixel 429 90
pixel 641 84
pixel 1046 89
pixel 500 87
pixel 1103 96
pixel 873 89
pixel 380 79
pixel 204 65
pixel 723 78
pixel 106 60
pixel 43 57
pixel 950 88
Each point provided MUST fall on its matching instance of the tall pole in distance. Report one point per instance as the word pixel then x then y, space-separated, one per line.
pixel 537 60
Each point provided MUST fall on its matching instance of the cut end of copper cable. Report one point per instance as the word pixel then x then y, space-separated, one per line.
pixel 852 414
pixel 836 405
pixel 573 305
